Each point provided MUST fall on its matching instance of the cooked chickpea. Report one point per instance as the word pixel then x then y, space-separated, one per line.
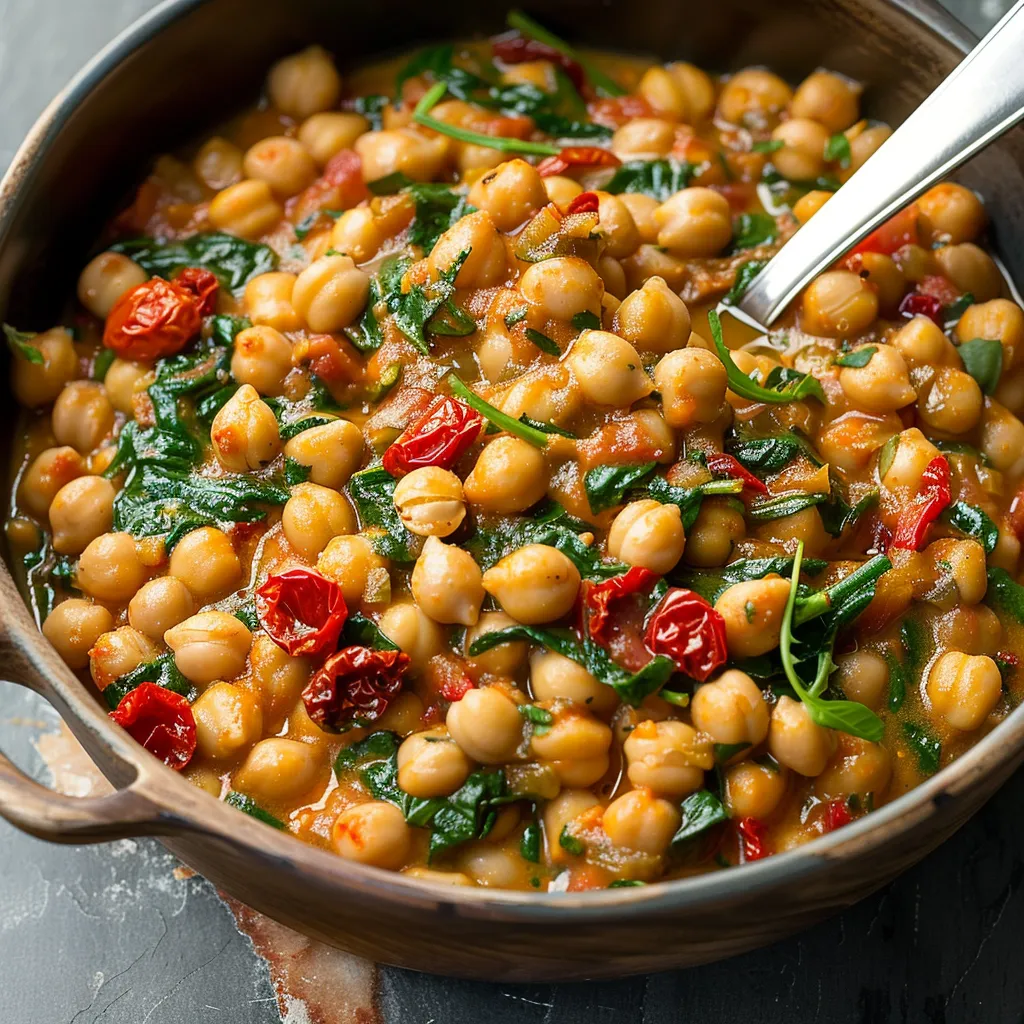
pixel 534 584
pixel 964 689
pixel 37 384
pixel 48 472
pixel 809 204
pixel 110 568
pixel 205 561
pixel 882 384
pixel 863 676
pixel 713 536
pixel 509 194
pixel 159 605
pixel 123 381
pixel 858 766
pixel 279 677
pixel 698 89
pixel 999 319
pixel 692 383
pixel 372 833
pixel 105 279
pixel 837 304
pixel 510 475
pixel 429 501
pixel 951 403
pixel 432 764
pixel 117 653
pixel 694 222
pixel 228 720
pixel 439 877
pixel 210 645
pixel 332 451
pixel 304 83
pixel 648 534
pixel 507 659
pixel 576 745
pixel 553 676
pixel 486 725
pixel 644 138
pixel 74 626
pixel 668 757
pixel 268 303
pixel 218 163
pixel 828 98
pixel 966 563
pixel 753 790
pixel 608 369
pixel 559 812
pixel 654 318
pixel 414 631
pixel 953 213
pixel 753 96
pixel 638 820
pixel 615 225
pixel 971 269
pixel 913 453
pixel 561 190
pixel 562 287
pixel 407 150
pixel 885 276
pixel 82 415
pixel 476 234
pixel 244 432
pixel 802 155
pixel 282 162
pixel 447 584
pixel 731 709
pixel 796 741
pixel 247 209
pixel 642 209
pixel 330 293
pixel 80 511
pixel 753 612
pixel 351 562
pixel 863 147
pixel 664 93
pixel 329 132
pixel 1002 438
pixel 921 342
pixel 279 769
pixel 313 515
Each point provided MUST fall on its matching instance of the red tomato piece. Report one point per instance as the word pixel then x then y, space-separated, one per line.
pixel 354 687
pixel 577 156
pixel 456 689
pixel 345 172
pixel 935 496
pixel 727 465
pixel 914 304
pixel 161 720
pixel 440 437
pixel 585 202
pixel 154 319
pixel 753 838
pixel 686 628
pixel 202 284
pixel 896 232
pixel 302 611
pixel 939 287
pixel 837 814
pixel 599 597
pixel 516 50
pixel 615 111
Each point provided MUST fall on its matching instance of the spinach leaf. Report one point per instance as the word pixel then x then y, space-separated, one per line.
pixel 657 178
pixel 927 748
pixel 784 505
pixel 1005 594
pixel 689 499
pixel 246 614
pixel 529 844
pixel 586 321
pixel 438 207
pixel 770 454
pixel 372 108
pixel 750 230
pixel 161 670
pixel 20 343
pixel 247 805
pixel 378 745
pixel 469 813
pixel 701 811
pixel 915 640
pixel 373 492
pixel 364 632
pixel 974 522
pixel 543 342
pixel 838 149
pixel 837 514
pixel 767 146
pixel 858 358
pixel 983 360
pixel 711 583
pixel 744 278
pixel 606 486
pixel 898 682
pixel 560 127
pixel 292 428
pixel 952 313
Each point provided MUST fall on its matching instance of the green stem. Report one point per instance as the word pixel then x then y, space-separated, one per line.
pixel 817 604
pixel 681 700
pixel 538 438
pixel 786 635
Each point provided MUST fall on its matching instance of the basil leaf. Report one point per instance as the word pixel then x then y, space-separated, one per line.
pixel 974 522
pixel 657 178
pixel 750 230
pixel 606 486
pixel 846 716
pixel 586 321
pixel 838 149
pixel 543 342
pixel 20 343
pixel 926 747
pixel 373 493
pixel 858 358
pixel 247 805
pixel 983 360
pixel 162 670
pixel 701 811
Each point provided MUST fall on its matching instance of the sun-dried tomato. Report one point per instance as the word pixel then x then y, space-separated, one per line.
pixel 837 814
pixel 161 720
pixel 202 284
pixel 686 628
pixel 354 687
pixel 577 156
pixel 727 465
pixel 598 598
pixel 154 319
pixel 440 437
pixel 456 689
pixel 915 304
pixel 753 838
pixel 585 202
pixel 345 172
pixel 615 111
pixel 896 232
pixel 939 287
pixel 302 611
pixel 516 49
pixel 934 496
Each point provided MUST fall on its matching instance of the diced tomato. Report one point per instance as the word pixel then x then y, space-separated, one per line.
pixel 577 156
pixel 753 838
pixel 837 814
pixel 585 202
pixel 935 495
pixel 915 304
pixel 898 231
pixel 687 629
pixel 722 464
pixel 202 284
pixel 456 689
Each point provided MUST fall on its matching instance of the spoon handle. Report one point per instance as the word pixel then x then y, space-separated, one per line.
pixel 981 99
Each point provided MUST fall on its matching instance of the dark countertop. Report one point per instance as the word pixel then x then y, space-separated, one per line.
pixel 111 934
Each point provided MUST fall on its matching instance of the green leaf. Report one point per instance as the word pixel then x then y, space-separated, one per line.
pixel 659 179
pixel 744 277
pixel 469 813
pixel 701 811
pixel 101 364
pixel 712 583
pixel 377 746
pixel 586 321
pixel 517 316
pixel 926 747
pixel 373 493
pixel 295 472
pixel 974 522
pixel 915 640
pixel 372 108
pixel 625 883
pixel 529 844
pixel 886 455
pixel 770 454
pixel 606 486
pixel 363 632
pixel 547 428
pixel 689 499
pixel 858 358
pixel 161 670
pixel 438 207
pixel 246 614
pixel 20 343
pixel 247 805
pixel 898 682
pixel 724 751
pixel 949 447
pixel 568 842
pixel 784 505
pixel 767 146
pixel 750 230
pixel 538 438
pixel 983 360
pixel 543 342
pixel 952 313
pixel 540 718
pixel 838 149
pixel 389 184
pixel 1005 594
pixel 295 427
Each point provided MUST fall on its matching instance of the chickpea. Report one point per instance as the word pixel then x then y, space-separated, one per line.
pixel 279 677
pixel 954 213
pixel 694 222
pixel 509 194
pixel 553 677
pixel 561 190
pixel 559 812
pixel 788 531
pixel 753 612
pixel 713 536
pixel 247 209
pixel 209 645
pixel 491 865
pixel 330 293
pixel 329 132
pixel 913 453
pixel 549 393
pixel 304 83
pixel 268 303
pixel 828 98
pixel 485 265
pixel 429 502
pixel 731 709
pixel 414 631
pixel 663 93
pixel 117 653
pixel 692 383
pixel 313 515
pixel 1002 438
pixel 638 820
pixel 431 764
pixel 160 605
pixel 1007 552
pixel 332 451
pixel 80 511
pixel 642 209
pixel 882 384
pixel 644 138
pixel 576 745
pixel 858 766
pixel 407 150
pixel 802 156
pixel 966 562
pixel 648 534
pixel 964 689
pixel 109 568
pixel 863 676
pixel 752 96
pixel 837 304
pixel 510 475
pixel 952 403
pixel 654 318
pixel 48 472
pixel 616 226
pixel 651 425
pixel 809 204
pixel 74 626
pixel 796 741
pixel 279 769
pixel 562 287
pixel 882 273
pixel 82 415
pixel 372 833
pixel 36 384
pixel 228 720
pixel 218 163
pixel 668 757
pixel 864 146
pixel 753 790
pixel 439 877
pixel 352 563
pixel 486 725
pixel 282 162
pixel 971 269
pixel 973 630
pixel 534 584
pixel 105 279
pixel 404 715
pixel 205 561
pixel 608 369
pixel 698 89
pixel 921 343
pixel 123 381
pixel 507 659
pixel 446 583
pixel 998 318
pixel 244 432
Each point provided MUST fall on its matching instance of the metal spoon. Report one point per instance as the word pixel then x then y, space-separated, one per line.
pixel 980 100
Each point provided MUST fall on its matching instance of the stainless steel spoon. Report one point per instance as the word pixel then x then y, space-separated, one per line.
pixel 980 100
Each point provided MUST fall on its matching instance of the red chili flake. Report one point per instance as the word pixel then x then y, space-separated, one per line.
pixel 161 720
pixel 577 156
pixel 302 611
pixel 727 465
pixel 753 838
pixel 837 814
pixel 914 304
pixel 440 437
pixel 686 628
pixel 585 202
pixel 202 284
pixel 898 231
pixel 154 319
pixel 939 287
pixel 935 495
pixel 1008 657
pixel 515 49
pixel 456 689
pixel 354 687
pixel 599 597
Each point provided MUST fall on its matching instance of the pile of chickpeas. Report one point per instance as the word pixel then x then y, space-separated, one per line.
pixel 646 386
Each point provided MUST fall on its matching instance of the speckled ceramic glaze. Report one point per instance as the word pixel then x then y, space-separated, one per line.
pixel 167 79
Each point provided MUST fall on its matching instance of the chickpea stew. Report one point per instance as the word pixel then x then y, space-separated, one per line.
pixel 398 482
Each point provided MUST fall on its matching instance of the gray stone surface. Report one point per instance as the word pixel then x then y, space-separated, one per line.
pixel 109 934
